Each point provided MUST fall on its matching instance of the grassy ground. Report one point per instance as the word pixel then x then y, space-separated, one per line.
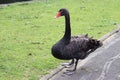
pixel 28 30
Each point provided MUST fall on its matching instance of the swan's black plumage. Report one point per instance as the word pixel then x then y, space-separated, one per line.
pixel 73 47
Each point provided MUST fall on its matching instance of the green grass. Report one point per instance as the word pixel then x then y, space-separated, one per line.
pixel 28 30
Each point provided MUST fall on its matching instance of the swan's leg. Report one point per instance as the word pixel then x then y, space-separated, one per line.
pixel 70 72
pixel 72 62
pixel 67 65
pixel 75 66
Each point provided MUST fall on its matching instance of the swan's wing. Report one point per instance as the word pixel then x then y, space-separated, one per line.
pixel 80 42
pixel 77 45
pixel 80 47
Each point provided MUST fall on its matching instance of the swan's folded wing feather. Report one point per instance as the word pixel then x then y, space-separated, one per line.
pixel 77 44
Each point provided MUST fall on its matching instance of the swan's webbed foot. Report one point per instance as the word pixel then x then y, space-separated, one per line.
pixel 69 72
pixel 67 65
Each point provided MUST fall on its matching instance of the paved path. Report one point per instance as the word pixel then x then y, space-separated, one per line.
pixel 103 64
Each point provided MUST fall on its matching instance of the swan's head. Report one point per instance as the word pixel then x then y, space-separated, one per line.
pixel 62 12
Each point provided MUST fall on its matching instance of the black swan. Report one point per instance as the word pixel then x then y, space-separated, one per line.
pixel 73 47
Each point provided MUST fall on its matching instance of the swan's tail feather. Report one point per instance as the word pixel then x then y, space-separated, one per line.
pixel 94 44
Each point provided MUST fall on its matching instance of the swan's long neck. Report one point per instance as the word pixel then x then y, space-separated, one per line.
pixel 67 34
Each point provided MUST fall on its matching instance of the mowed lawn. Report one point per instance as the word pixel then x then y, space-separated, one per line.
pixel 28 31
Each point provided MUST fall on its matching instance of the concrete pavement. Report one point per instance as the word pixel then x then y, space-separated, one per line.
pixel 103 64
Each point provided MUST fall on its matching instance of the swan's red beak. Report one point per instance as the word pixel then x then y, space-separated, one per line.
pixel 58 15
